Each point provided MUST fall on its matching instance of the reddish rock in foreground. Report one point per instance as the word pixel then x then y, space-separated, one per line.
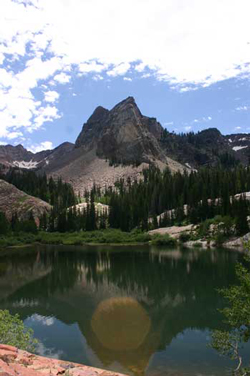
pixel 15 362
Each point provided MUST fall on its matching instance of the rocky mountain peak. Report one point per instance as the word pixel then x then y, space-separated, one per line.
pixel 99 114
pixel 20 147
pixel 122 135
pixel 129 101
pixel 91 130
pixel 127 108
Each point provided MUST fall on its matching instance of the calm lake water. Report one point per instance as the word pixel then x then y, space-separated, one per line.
pixel 136 310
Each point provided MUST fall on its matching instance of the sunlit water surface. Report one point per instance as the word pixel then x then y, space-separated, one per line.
pixel 136 310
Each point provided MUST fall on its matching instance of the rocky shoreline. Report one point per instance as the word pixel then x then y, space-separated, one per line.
pixel 15 362
pixel 175 232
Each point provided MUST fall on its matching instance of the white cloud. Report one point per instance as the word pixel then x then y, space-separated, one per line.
pixel 146 75
pixel 44 114
pixel 42 350
pixel 13 135
pixel 19 108
pixel 46 145
pixel 242 108
pixel 2 143
pixel 127 79
pixel 184 89
pixel 97 77
pixel 51 96
pixel 172 37
pixel 47 321
pixel 119 70
pixel 188 128
pixel 140 67
pixel 62 78
pixel 177 41
pixel 91 66
pixel 204 119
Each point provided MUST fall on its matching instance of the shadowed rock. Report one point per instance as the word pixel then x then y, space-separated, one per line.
pixel 123 134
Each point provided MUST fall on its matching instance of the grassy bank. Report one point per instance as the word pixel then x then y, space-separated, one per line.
pixel 110 236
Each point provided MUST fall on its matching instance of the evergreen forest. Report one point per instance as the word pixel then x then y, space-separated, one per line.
pixel 158 199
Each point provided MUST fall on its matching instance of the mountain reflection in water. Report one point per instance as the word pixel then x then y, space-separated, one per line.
pixel 134 310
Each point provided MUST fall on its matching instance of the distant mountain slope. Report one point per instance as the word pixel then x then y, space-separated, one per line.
pixel 13 201
pixel 240 144
pixel 18 156
pixel 208 147
pixel 120 142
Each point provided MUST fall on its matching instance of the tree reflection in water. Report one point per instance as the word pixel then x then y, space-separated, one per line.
pixel 128 303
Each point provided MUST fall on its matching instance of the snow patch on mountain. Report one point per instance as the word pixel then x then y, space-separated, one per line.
pixel 237 148
pixel 27 165
pixel 243 139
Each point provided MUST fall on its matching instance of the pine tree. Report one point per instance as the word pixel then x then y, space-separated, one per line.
pixel 241 224
pixel 4 224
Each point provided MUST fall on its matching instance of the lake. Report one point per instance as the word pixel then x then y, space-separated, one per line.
pixel 139 310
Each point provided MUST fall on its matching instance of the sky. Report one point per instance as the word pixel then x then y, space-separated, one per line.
pixel 186 62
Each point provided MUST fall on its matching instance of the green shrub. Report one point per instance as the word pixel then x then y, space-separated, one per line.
pixel 14 333
pixel 108 236
pixel 197 245
pixel 166 240
pixel 204 228
pixel 219 239
pixel 231 341
pixel 184 237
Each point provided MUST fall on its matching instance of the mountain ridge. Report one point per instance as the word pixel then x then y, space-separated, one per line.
pixel 120 142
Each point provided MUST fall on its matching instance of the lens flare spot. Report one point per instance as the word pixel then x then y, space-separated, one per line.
pixel 120 324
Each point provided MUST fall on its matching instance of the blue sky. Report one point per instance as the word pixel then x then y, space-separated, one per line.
pixel 186 62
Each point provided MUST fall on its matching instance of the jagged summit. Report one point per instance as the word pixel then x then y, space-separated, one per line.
pixel 122 134
pixel 127 101
pixel 99 113
pixel 95 124
pixel 92 128
pixel 112 142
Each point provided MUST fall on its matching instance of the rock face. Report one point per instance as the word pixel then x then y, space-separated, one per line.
pixel 15 362
pixel 121 142
pixel 123 135
pixel 174 231
pixel 112 145
pixel 240 243
pixel 13 201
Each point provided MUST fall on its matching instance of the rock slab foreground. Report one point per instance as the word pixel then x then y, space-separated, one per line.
pixel 15 362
